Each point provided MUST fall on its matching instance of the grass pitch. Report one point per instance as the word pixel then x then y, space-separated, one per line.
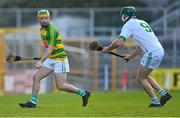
pixel 101 104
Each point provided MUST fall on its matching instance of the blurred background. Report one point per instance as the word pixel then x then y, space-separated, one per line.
pixel 81 22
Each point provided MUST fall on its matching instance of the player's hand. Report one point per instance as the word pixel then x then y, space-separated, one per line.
pixel 38 64
pixel 126 57
pixel 105 50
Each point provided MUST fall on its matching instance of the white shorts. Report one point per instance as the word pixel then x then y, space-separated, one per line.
pixel 56 65
pixel 152 59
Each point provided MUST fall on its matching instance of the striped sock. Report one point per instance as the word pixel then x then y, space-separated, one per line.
pixel 155 100
pixel 34 98
pixel 81 92
pixel 162 92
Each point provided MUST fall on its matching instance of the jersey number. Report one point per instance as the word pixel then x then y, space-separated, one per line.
pixel 146 27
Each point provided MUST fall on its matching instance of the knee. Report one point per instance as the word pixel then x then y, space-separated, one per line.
pixel 60 86
pixel 139 79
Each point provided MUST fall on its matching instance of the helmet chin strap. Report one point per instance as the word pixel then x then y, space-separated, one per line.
pixel 125 19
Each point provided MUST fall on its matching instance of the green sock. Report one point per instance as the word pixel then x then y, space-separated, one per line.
pixel 34 98
pixel 81 92
pixel 162 92
pixel 155 100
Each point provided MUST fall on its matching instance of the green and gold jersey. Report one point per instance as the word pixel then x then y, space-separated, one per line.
pixel 50 36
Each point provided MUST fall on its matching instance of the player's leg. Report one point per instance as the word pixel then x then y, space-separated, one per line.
pixel 60 79
pixel 153 60
pixel 165 96
pixel 153 83
pixel 41 73
pixel 61 84
pixel 142 74
pixel 61 68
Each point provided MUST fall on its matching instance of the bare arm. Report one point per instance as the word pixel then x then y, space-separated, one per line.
pixel 44 57
pixel 47 53
pixel 116 43
pixel 136 52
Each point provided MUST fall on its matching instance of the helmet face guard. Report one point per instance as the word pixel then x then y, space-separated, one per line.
pixel 128 11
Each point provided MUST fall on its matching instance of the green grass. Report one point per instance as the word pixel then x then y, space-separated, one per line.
pixel 117 104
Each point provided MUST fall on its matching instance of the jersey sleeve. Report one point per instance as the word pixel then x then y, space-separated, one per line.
pixel 126 32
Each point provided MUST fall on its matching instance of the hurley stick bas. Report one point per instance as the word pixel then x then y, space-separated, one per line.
pixel 94 46
pixel 12 57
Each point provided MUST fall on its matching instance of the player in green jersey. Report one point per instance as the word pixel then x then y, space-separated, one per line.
pixel 54 61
